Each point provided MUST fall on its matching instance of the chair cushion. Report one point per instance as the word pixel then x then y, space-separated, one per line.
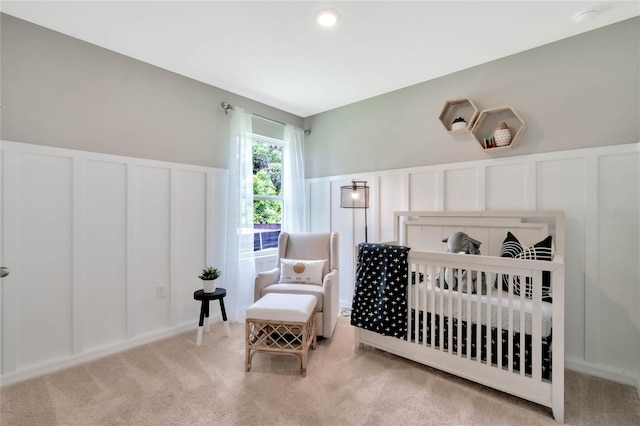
pixel 283 307
pixel 301 271
pixel 314 290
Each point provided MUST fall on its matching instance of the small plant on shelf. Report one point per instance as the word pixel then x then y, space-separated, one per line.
pixel 209 273
pixel 458 123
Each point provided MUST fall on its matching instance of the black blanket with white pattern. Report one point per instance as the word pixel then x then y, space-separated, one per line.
pixel 379 299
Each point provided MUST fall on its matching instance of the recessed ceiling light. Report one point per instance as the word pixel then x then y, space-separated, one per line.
pixel 327 17
pixel 585 16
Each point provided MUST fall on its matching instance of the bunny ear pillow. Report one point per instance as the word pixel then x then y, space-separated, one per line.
pixel 460 242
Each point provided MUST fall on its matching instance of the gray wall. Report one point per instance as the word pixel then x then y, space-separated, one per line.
pixel 56 90
pixel 59 91
pixel 575 93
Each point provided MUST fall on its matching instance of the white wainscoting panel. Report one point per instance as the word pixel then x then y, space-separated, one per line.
pixel 191 241
pixel 319 206
pixel 152 248
pixel 425 191
pixel 599 191
pixel 104 253
pixel 391 194
pixel 104 262
pixel 460 189
pixel 506 187
pixel 9 247
pixel 44 208
pixel 618 291
pixel 561 186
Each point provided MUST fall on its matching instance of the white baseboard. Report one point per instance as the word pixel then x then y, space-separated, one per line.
pixel 73 360
pixel 603 372
pixel 344 304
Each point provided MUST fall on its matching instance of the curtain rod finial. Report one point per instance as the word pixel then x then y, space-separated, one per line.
pixel 226 106
pixel 307 132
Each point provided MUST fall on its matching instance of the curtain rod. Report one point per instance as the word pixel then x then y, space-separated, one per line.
pixel 226 106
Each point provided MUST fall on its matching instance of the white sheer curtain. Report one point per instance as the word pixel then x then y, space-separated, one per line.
pixel 294 197
pixel 240 263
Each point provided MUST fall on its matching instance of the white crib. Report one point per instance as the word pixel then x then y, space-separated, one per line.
pixel 501 340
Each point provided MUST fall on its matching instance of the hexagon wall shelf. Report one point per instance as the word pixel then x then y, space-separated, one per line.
pixel 462 107
pixel 487 121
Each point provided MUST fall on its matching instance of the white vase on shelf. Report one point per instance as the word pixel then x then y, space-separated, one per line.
pixel 502 135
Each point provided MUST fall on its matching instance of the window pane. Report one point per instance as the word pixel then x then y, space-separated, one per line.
pixel 267 167
pixel 267 181
pixel 267 211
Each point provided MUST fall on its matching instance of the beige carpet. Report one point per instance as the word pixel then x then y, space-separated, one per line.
pixel 175 382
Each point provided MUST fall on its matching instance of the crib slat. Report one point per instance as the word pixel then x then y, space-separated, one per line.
pixel 432 305
pixel 521 323
pixel 510 324
pixel 499 322
pixel 415 279
pixel 431 271
pixel 489 318
pixel 478 315
pixel 414 301
pixel 421 297
pixel 428 274
pixel 468 337
pixel 536 332
pixel 459 336
pixel 449 315
pixel 410 298
pixel 441 319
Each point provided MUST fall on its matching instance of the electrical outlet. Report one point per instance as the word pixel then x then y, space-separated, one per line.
pixel 159 292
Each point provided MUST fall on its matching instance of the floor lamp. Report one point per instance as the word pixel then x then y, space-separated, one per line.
pixel 356 196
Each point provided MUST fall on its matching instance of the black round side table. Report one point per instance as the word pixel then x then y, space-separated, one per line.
pixel 219 295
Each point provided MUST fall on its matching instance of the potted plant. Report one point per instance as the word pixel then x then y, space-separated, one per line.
pixel 458 124
pixel 208 277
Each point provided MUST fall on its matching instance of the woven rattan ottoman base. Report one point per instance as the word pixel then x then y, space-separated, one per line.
pixel 283 324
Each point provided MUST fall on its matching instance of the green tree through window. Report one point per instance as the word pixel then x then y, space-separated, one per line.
pixel 265 211
pixel 267 191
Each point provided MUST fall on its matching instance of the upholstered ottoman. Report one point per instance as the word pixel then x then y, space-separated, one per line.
pixel 281 323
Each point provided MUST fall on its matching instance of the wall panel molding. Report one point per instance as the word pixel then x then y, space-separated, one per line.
pixel 591 271
pixel 128 242
pixel 78 259
pixel 565 180
pixel 131 232
pixel 9 177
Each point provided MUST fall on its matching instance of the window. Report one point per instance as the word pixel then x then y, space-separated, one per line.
pixel 267 192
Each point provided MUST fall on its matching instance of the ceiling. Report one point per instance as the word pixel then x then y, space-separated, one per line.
pixel 275 53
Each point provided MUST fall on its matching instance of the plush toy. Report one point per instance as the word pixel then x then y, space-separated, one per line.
pixel 461 243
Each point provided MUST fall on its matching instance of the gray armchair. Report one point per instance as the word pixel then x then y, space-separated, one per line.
pixel 309 246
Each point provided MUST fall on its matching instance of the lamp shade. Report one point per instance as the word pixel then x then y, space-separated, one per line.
pixel 355 196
